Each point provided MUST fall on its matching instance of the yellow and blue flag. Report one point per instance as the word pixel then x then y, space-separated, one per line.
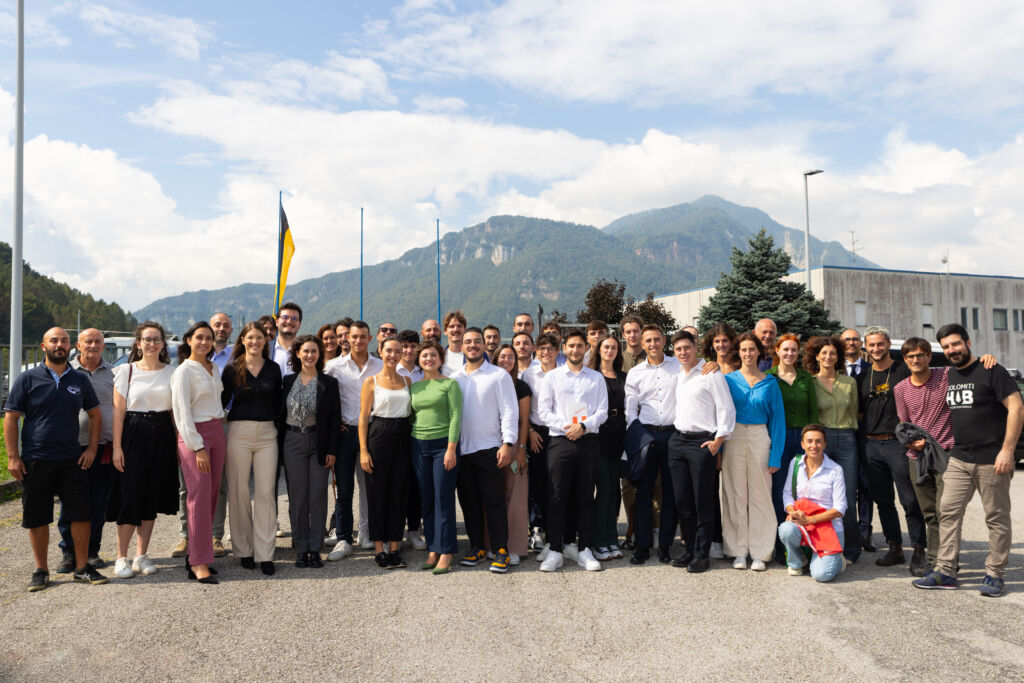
pixel 285 250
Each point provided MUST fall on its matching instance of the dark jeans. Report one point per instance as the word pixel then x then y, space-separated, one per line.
pixel 657 461
pixel 865 504
pixel 101 480
pixel 345 476
pixel 413 502
pixel 841 446
pixel 693 483
pixel 571 467
pixel 538 474
pixel 481 488
pixel 437 490
pixel 888 466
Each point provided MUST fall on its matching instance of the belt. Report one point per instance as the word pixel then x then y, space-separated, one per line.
pixel 697 436
pixel 301 430
pixel 614 411
pixel 147 413
pixel 659 428
pixel 880 437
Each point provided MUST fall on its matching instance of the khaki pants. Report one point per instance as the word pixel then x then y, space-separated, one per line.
pixel 748 517
pixel 959 483
pixel 252 446
pixel 928 496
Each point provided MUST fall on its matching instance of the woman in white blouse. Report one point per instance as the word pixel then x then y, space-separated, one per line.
pixel 144 448
pixel 195 393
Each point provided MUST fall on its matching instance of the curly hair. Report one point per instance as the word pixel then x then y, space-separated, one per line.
pixel 813 348
pixel 707 345
pixel 293 353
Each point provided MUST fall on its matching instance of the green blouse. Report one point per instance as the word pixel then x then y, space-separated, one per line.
pixel 436 409
pixel 837 409
pixel 799 398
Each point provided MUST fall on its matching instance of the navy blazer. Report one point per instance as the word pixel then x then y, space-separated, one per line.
pixel 328 415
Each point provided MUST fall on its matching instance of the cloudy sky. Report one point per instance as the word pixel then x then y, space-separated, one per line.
pixel 159 134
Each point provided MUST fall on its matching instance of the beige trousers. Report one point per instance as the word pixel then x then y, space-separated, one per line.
pixel 252 446
pixel 748 518
pixel 959 483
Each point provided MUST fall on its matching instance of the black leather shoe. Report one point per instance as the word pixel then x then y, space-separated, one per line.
pixel 866 544
pixel 640 555
pixel 315 562
pixel 893 556
pixel 698 565
pixel 211 579
pixel 302 561
pixel 683 560
pixel 664 555
pixel 267 568
pixel 919 562
pixel 247 563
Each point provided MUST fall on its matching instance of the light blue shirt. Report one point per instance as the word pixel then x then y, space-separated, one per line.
pixel 761 404
pixel 826 487
pixel 221 358
pixel 54 375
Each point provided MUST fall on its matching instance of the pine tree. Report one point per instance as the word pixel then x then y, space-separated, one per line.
pixel 755 289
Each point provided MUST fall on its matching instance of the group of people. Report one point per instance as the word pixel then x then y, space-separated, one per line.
pixel 753 446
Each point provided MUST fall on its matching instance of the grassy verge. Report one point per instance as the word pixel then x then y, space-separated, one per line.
pixel 4 474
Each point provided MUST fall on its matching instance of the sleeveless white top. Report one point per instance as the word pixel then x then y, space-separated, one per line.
pixel 391 402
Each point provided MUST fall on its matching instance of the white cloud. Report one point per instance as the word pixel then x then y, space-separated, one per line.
pixel 431 104
pixel 948 54
pixel 182 37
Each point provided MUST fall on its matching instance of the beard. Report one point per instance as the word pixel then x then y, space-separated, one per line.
pixel 56 356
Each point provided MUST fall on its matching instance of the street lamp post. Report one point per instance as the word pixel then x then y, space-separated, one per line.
pixel 807 230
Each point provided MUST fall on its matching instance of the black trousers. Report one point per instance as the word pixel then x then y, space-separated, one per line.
pixel 693 482
pixel 571 471
pixel 481 488
pixel 657 460
pixel 538 474
pixel 386 487
pixel 888 468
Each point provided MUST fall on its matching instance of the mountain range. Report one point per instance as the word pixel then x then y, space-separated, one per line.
pixel 509 264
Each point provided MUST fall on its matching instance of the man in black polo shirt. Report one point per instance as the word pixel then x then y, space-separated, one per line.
pixel 987 413
pixel 49 397
pixel 885 457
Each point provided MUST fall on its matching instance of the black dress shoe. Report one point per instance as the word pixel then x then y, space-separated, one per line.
pixel 866 544
pixel 211 579
pixel 395 560
pixel 698 565
pixel 683 560
pixel 267 568
pixel 315 562
pixel 247 563
pixel 302 561
pixel 664 555
pixel 640 555
pixel 893 556
pixel 382 560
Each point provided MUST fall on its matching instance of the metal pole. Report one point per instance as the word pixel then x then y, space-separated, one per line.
pixel 19 187
pixel 360 263
pixel 438 226
pixel 807 230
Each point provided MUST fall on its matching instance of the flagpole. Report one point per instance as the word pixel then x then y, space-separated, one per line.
pixel 280 255
pixel 438 226
pixel 360 263
pixel 17 271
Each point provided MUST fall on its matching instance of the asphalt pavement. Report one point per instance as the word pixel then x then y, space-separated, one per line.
pixel 352 620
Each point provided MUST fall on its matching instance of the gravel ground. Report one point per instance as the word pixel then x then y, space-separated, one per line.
pixel 351 620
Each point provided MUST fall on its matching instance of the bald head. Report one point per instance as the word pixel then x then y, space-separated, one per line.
pixel 766 331
pixel 90 348
pixel 431 329
pixel 56 344
pixel 221 324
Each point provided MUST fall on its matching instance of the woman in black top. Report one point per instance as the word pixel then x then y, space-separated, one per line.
pixel 608 361
pixel 252 395
pixel 517 484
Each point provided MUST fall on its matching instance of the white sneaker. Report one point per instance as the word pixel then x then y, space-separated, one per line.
pixel 513 559
pixel 553 562
pixel 341 550
pixel 571 551
pixel 332 538
pixel 587 561
pixel 416 540
pixel 739 563
pixel 279 533
pixel 602 554
pixel 758 565
pixel 143 565
pixel 543 554
pixel 364 540
pixel 654 538
pixel 122 569
pixel 795 571
pixel 716 552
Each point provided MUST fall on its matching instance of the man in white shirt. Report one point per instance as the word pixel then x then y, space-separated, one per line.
pixel 407 365
pixel 522 344
pixel 547 350
pixel 704 419
pixel 351 371
pixel 573 404
pixel 490 422
pixel 454 328
pixel 651 399
pixel 289 320
pixel 523 322
pixel 492 340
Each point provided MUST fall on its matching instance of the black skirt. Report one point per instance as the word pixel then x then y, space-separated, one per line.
pixel 149 484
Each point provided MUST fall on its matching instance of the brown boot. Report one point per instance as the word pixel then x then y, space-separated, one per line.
pixel 894 556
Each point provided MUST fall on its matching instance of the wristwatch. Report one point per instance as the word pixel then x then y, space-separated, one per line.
pixel 583 425
pixel 523 446
pixel 509 444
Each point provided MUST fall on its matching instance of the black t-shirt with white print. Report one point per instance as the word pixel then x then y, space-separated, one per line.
pixel 975 398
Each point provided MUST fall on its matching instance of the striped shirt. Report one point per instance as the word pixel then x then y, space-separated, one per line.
pixel 925 406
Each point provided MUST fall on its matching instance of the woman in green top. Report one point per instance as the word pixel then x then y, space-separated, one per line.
pixel 837 411
pixel 436 421
pixel 801 403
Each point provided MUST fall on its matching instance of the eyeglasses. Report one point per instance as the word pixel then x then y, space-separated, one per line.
pixel 916 356
pixel 388 330
pixel 850 339
pixel 152 340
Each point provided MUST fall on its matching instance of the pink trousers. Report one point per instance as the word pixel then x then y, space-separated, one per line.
pixel 202 489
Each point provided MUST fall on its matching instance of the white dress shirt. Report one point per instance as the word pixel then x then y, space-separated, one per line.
pixel 195 398
pixel 651 392
pixel 453 361
pixel 565 393
pixel 350 383
pixel 416 374
pixel 534 378
pixel 703 402
pixel 826 487
pixel 280 355
pixel 490 411
pixel 519 373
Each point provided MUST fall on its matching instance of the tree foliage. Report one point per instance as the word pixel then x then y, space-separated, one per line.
pixel 755 289
pixel 605 301
pixel 652 313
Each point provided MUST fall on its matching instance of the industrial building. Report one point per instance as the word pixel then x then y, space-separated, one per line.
pixel 909 303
